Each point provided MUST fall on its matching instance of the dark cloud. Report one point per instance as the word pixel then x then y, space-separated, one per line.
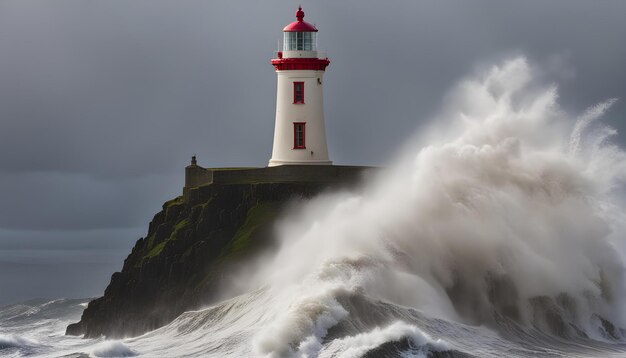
pixel 103 103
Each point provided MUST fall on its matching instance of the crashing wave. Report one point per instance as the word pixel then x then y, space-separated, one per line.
pixel 15 341
pixel 505 219
pixel 113 349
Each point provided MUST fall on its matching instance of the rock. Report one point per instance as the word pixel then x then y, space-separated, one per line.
pixel 190 248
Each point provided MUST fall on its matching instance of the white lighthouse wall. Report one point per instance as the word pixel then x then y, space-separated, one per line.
pixel 310 112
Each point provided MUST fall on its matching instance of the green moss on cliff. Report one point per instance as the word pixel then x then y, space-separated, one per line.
pixel 179 227
pixel 155 251
pixel 150 241
pixel 257 218
pixel 176 201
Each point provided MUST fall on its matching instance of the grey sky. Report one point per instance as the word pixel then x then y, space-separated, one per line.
pixel 102 103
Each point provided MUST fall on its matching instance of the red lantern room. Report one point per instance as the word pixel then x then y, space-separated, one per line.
pixel 299 50
pixel 300 35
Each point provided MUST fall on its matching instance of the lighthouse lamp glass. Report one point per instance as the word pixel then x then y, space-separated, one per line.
pixel 300 41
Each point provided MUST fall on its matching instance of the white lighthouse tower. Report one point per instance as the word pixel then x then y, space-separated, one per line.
pixel 299 132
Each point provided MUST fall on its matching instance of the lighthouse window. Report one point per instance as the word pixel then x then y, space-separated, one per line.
pixel 298 135
pixel 298 92
pixel 300 41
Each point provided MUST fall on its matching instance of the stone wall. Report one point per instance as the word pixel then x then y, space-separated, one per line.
pixel 196 176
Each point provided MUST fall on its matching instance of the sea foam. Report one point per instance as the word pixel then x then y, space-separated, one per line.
pixel 420 342
pixel 15 341
pixel 112 349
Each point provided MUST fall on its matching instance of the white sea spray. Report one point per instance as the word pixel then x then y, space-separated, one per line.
pixel 513 201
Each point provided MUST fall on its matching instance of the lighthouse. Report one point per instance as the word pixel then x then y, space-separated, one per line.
pixel 299 131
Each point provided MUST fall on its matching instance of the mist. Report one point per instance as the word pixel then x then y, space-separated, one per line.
pixel 505 204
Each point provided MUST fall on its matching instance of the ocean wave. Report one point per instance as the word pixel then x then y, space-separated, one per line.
pixel 512 214
pixel 418 341
pixel 15 341
pixel 110 349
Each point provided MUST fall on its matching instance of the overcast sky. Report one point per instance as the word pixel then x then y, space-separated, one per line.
pixel 102 103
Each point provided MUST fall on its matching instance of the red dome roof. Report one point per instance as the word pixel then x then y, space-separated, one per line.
pixel 300 25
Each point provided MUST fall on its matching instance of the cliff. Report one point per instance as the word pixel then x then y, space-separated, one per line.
pixel 192 245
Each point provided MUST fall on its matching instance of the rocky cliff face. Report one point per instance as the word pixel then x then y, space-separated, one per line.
pixel 190 248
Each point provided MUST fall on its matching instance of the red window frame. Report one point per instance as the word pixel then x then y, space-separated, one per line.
pixel 298 95
pixel 297 125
